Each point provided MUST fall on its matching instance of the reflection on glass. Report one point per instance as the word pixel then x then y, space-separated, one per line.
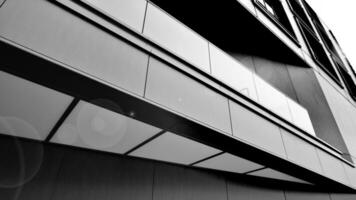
pixel 91 126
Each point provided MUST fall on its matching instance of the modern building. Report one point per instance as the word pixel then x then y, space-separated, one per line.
pixel 189 99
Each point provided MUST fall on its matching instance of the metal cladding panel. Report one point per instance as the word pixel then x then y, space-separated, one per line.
pixel 273 174
pixel 351 174
pixel 256 130
pixel 174 148
pixel 29 110
pixel 57 33
pixel 230 163
pixel 243 191
pixel 301 152
pixel 94 127
pixel 344 114
pixel 300 117
pixel 276 74
pixel 311 96
pixel 343 196
pixel 129 12
pixel 304 195
pixel 272 99
pixel 232 73
pixel 246 60
pixel 176 37
pixel 86 175
pixel 178 92
pixel 172 182
pixel 332 167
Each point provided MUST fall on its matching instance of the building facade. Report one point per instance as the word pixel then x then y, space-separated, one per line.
pixel 137 99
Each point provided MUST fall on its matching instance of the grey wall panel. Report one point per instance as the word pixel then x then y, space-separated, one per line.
pixel 343 196
pixel 70 173
pixel 304 195
pixel 57 33
pixel 174 90
pixel 232 72
pixel 40 164
pixel 351 174
pixel 332 167
pixel 256 130
pixel 245 59
pixel 311 97
pixel 176 37
pixel 276 74
pixel 187 184
pixel 301 152
pixel 344 113
pixel 242 191
pixel 129 12
pixel 93 176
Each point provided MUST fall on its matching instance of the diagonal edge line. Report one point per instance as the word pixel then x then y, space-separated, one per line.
pixel 64 116
pixel 255 170
pixel 145 142
pixel 204 159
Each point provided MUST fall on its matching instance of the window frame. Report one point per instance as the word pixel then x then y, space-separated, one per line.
pixel 308 24
pixel 333 75
pixel 289 31
pixel 347 79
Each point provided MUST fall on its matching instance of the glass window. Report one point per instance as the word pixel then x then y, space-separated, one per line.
pixel 274 9
pixel 318 53
pixel 300 13
pixel 349 83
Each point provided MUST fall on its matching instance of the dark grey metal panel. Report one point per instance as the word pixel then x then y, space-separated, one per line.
pixel 57 33
pixel 305 195
pixel 187 184
pixel 276 74
pixel 246 60
pixel 242 191
pixel 344 113
pixel 301 152
pixel 311 97
pixel 252 128
pixel 343 196
pixel 174 90
pixel 93 176
pixel 28 170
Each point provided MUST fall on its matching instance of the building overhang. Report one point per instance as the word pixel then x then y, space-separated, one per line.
pixel 55 76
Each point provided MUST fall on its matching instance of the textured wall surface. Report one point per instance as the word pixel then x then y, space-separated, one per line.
pixel 56 172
